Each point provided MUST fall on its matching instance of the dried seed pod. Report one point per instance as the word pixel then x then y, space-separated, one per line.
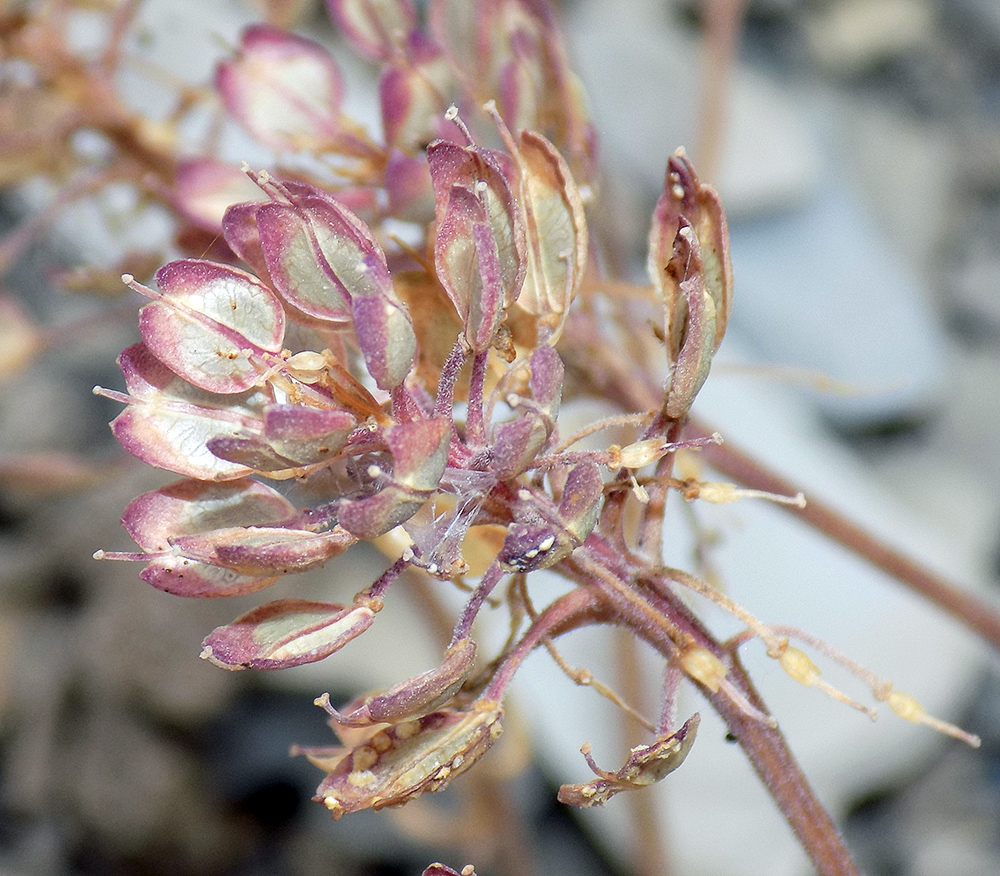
pixel 420 454
pixel 689 265
pixel 377 29
pixel 479 243
pixel 169 423
pixel 556 229
pixel 288 632
pixel 398 763
pixel 207 321
pixel 327 264
pixel 284 89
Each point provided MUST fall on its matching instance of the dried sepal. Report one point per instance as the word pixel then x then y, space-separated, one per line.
pixel 306 435
pixel 285 89
pixel 285 633
pixel 530 546
pixel 420 453
pixel 377 29
pixel 646 764
pixel 479 243
pixel 517 442
pixel 396 764
pixel 169 423
pixel 416 696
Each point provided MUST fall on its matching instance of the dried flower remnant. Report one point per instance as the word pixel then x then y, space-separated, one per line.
pixel 646 764
pixel 412 393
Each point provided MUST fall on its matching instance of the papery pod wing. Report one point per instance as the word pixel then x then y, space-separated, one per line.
pixel 285 633
pixel 203 541
pixel 377 29
pixel 208 320
pixel 169 423
pixel 646 764
pixel 188 507
pixel 401 762
pixel 556 231
pixel 297 268
pixel 284 89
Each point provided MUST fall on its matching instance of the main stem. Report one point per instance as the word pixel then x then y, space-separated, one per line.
pixel 668 625
pixel 779 771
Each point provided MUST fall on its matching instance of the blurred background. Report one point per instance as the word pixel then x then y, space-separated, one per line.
pixel 856 144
